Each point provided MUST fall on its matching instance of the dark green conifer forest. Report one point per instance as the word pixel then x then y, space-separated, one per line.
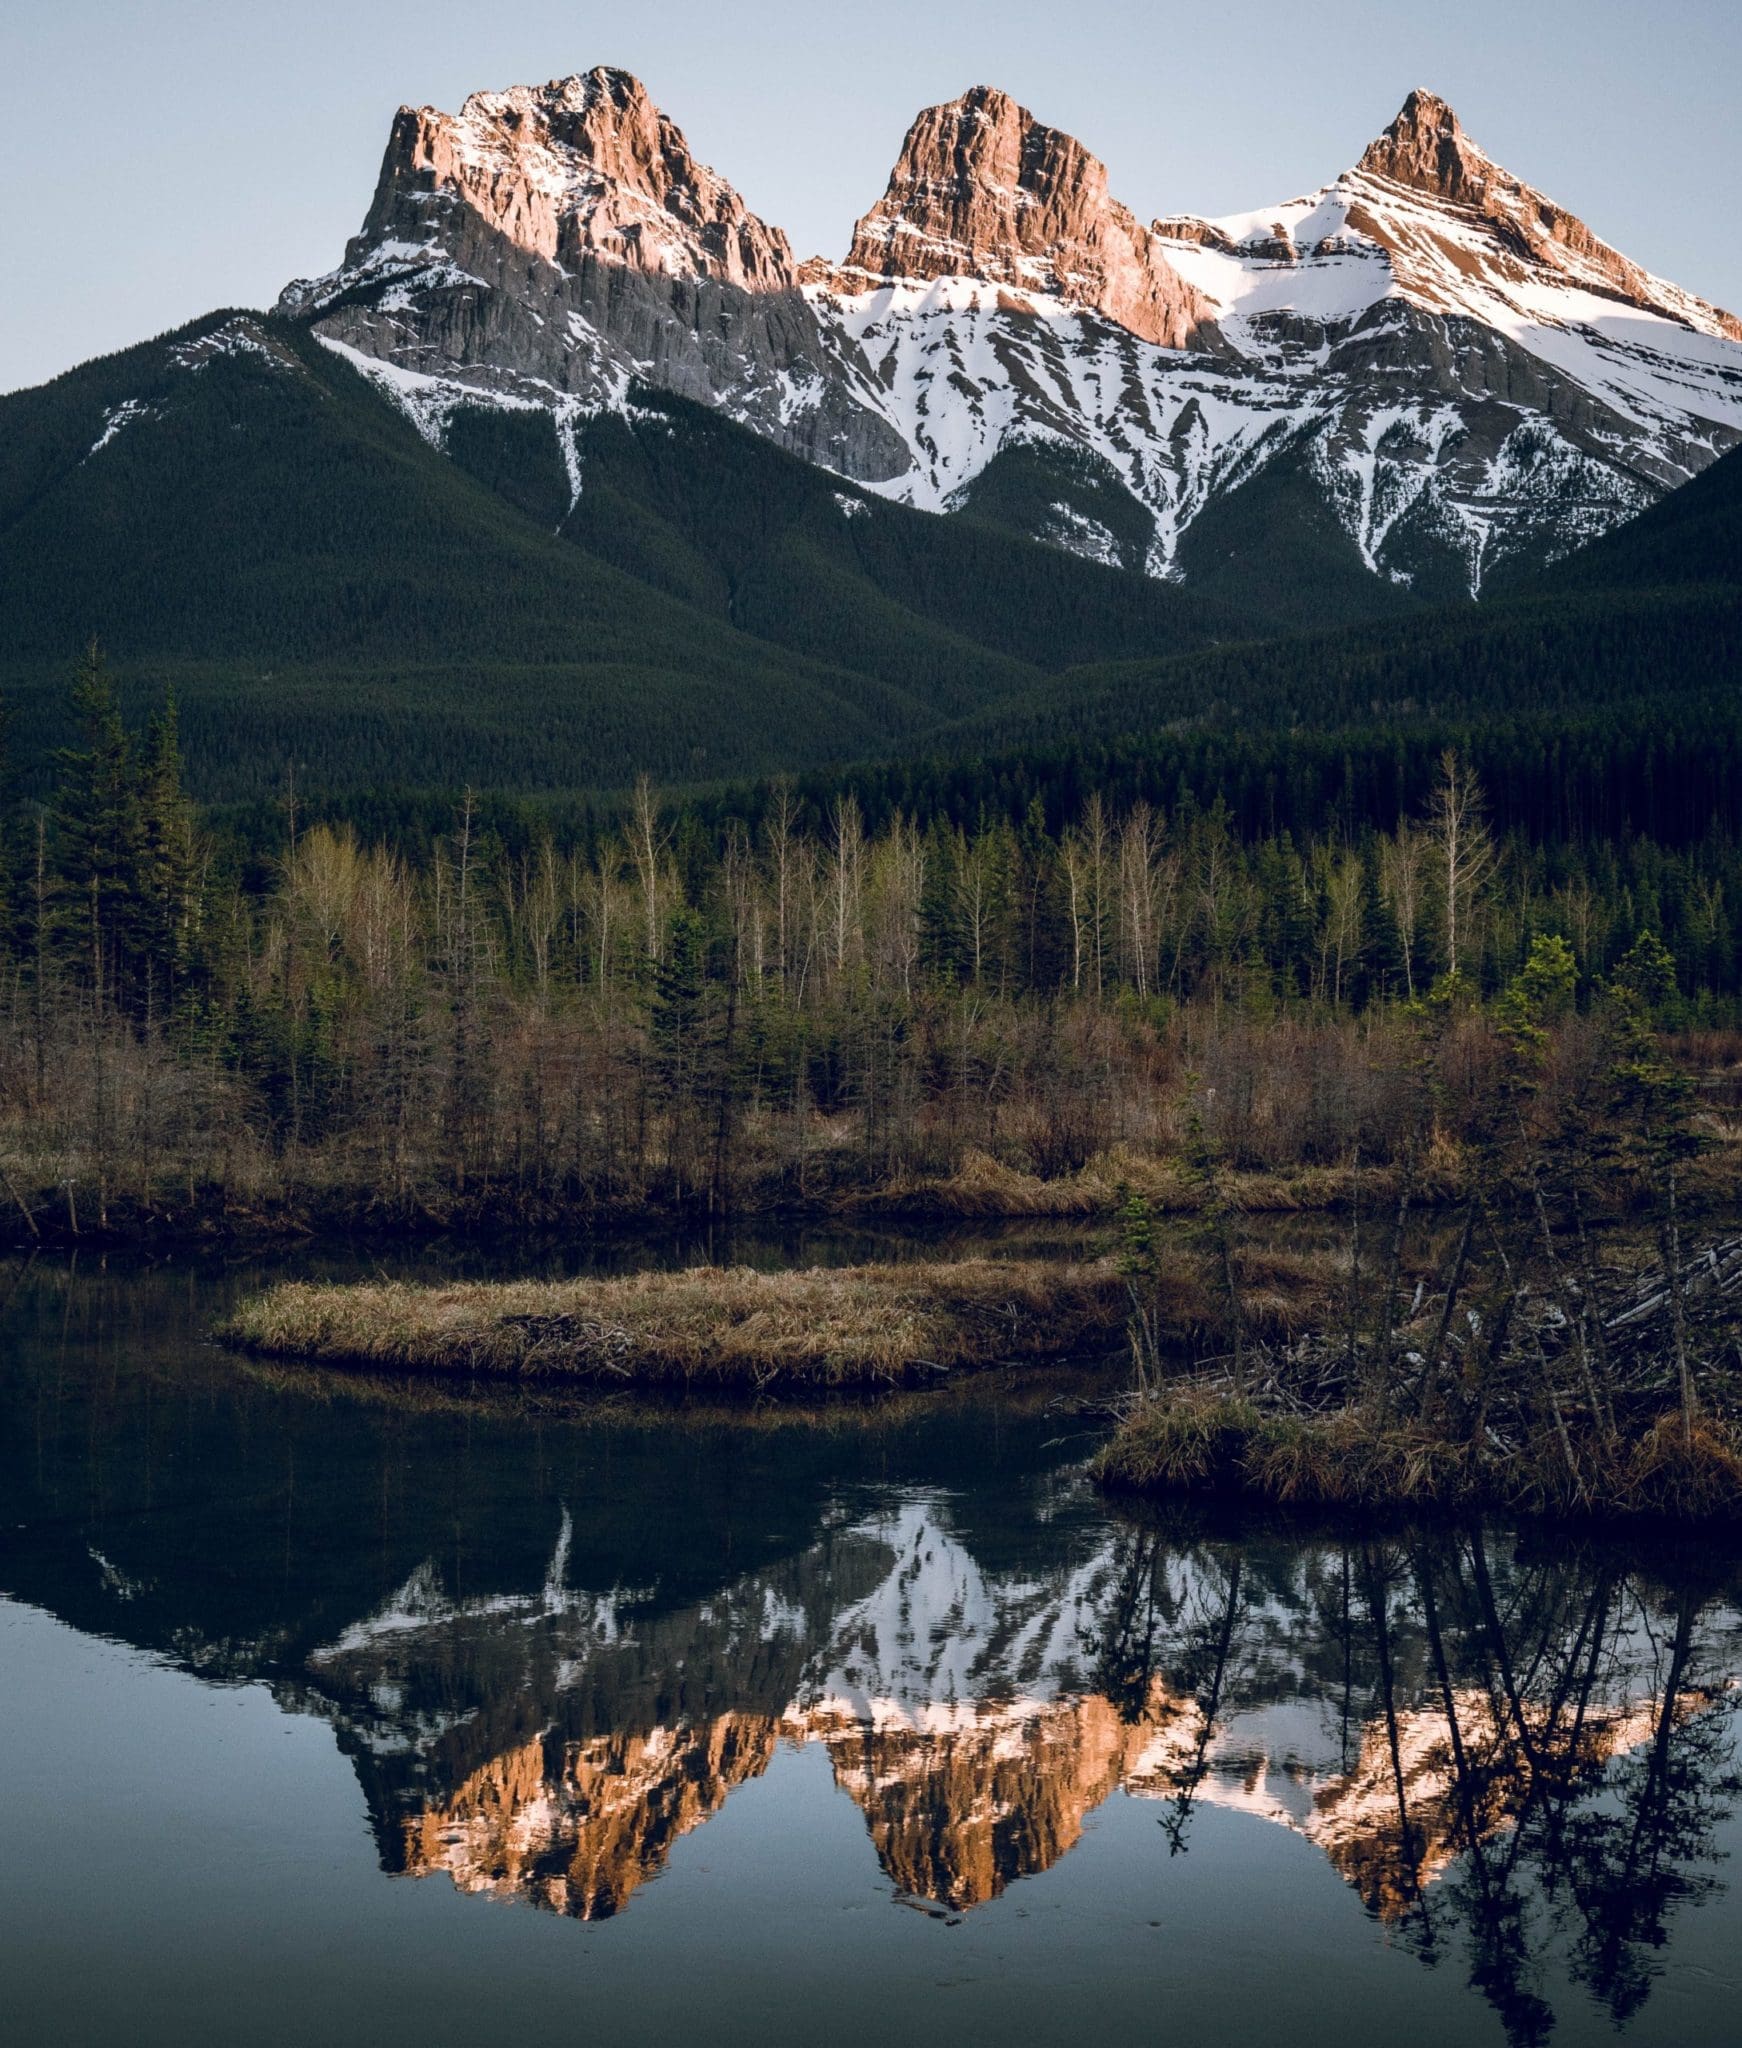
pixel 416 838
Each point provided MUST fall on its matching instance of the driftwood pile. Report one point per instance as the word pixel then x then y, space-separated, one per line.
pixel 1630 1339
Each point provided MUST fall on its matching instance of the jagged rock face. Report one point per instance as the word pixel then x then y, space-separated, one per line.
pixel 1499 382
pixel 1427 150
pixel 1426 147
pixel 959 1812
pixel 552 245
pixel 585 166
pixel 581 1830
pixel 553 1744
pixel 1459 369
pixel 984 190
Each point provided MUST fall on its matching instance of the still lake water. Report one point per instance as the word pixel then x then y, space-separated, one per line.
pixel 326 1717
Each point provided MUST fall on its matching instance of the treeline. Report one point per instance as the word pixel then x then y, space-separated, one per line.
pixel 1614 793
pixel 1549 656
pixel 1669 773
pixel 685 1005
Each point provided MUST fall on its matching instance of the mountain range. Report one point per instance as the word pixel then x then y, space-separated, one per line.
pixel 571 467
pixel 1462 374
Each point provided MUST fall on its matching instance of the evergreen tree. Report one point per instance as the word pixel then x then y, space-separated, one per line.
pixel 10 931
pixel 100 836
pixel 167 860
pixel 1653 1101
pixel 684 1044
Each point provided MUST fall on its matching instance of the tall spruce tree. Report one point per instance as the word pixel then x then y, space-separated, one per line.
pixel 11 934
pixel 99 837
pixel 167 860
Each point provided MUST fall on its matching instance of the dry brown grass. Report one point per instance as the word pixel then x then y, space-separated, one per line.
pixel 987 1187
pixel 735 1327
pixel 823 1326
pixel 1201 1442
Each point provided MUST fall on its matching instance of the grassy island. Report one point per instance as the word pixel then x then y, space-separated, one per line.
pixel 823 1326
pixel 817 1327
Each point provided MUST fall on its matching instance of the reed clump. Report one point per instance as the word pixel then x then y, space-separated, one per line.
pixel 735 1327
pixel 983 1186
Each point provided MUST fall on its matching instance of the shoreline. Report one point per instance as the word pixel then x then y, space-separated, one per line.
pixel 981 1190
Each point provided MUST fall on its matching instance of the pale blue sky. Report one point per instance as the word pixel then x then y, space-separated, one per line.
pixel 161 157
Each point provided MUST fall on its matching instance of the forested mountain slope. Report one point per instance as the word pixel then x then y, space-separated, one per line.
pixel 1692 536
pixel 234 510
pixel 1649 611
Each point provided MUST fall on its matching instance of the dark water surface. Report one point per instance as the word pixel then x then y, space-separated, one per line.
pixel 326 1716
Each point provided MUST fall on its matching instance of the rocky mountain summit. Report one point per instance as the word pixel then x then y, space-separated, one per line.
pixel 556 245
pixel 962 1707
pixel 1426 150
pixel 1426 368
pixel 984 190
pixel 579 169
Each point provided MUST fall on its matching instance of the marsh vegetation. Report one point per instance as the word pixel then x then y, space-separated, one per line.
pixel 1534 1361
pixel 709 1326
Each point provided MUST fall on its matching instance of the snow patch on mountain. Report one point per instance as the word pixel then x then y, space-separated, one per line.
pixel 119 417
pixel 960 375
pixel 241 336
pixel 1337 253
pixel 430 402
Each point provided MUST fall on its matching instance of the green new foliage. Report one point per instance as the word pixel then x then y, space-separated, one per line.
pixel 1653 1095
pixel 1539 995
pixel 1134 1257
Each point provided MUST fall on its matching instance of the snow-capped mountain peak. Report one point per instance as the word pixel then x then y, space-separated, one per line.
pixel 1425 146
pixel 1449 367
pixel 1425 150
pixel 1428 216
pixel 586 166
pixel 1633 373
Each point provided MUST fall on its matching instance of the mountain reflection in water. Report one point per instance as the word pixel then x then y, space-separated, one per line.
pixel 551 1649
pixel 1396 1703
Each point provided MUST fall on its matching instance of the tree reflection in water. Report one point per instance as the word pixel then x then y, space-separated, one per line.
pixel 1537 1766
